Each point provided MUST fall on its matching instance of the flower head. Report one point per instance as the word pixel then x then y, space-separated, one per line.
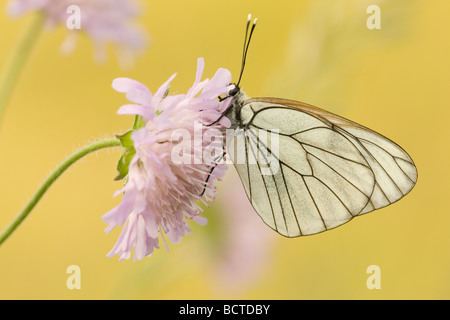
pixel 160 191
pixel 104 21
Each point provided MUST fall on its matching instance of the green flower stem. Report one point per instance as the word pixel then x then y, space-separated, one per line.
pixel 113 142
pixel 17 60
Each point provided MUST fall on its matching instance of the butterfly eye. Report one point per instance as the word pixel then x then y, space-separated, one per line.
pixel 233 91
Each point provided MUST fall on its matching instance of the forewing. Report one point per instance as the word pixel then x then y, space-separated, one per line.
pixel 394 170
pixel 330 169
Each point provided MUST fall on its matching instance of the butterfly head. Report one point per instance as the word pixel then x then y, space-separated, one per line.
pixel 233 92
pixel 236 94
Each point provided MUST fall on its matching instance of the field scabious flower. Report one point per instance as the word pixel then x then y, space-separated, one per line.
pixel 160 193
pixel 104 21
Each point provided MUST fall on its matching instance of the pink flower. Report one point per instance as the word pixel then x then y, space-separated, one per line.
pixel 160 193
pixel 104 21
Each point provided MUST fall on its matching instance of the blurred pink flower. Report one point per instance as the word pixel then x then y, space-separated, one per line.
pixel 104 21
pixel 160 193
pixel 248 242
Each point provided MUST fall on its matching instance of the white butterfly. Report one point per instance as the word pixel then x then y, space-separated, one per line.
pixel 330 169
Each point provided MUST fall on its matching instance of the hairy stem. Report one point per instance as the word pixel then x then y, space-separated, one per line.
pixel 77 155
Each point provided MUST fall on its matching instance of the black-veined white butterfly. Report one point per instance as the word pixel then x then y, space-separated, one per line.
pixel 330 169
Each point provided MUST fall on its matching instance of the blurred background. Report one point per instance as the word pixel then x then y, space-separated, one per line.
pixel 394 80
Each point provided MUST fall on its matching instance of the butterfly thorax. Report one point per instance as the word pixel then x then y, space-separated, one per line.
pixel 234 109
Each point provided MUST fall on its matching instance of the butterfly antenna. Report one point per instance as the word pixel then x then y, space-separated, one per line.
pixel 248 37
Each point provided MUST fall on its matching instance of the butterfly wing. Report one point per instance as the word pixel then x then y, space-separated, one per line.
pixel 330 169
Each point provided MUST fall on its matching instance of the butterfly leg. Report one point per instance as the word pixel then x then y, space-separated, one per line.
pixel 216 162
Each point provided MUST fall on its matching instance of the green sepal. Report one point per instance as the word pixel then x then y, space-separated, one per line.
pixel 128 146
pixel 128 154
pixel 138 122
pixel 125 139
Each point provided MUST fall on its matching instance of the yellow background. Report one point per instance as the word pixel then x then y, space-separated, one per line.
pixel 395 80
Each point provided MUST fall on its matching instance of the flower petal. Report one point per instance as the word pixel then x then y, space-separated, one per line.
pixel 219 82
pixel 135 109
pixel 140 249
pixel 162 90
pixel 201 220
pixel 136 91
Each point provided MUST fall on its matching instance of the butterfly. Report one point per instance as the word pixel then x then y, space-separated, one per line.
pixel 328 169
